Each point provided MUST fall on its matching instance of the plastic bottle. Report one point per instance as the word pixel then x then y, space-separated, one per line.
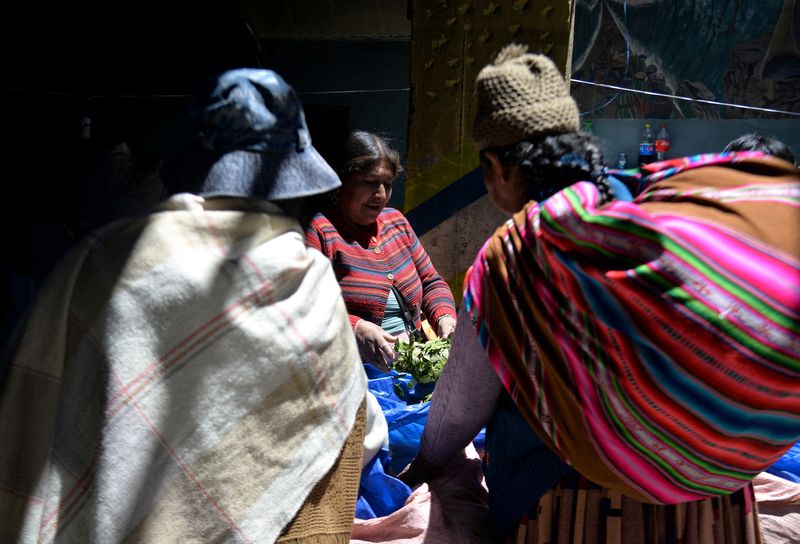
pixel 86 127
pixel 662 143
pixel 646 147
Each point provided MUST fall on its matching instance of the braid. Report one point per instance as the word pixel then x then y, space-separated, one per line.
pixel 552 162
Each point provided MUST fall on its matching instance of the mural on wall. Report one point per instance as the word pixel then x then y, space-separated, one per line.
pixel 730 51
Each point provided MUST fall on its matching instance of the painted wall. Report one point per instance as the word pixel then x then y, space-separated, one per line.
pixel 691 136
pixel 444 198
pixel 450 43
pixel 328 19
pixel 745 53
pixel 369 78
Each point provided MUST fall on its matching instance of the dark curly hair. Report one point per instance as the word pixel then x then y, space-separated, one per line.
pixel 552 162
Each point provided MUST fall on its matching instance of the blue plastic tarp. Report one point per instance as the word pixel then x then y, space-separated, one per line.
pixel 400 399
pixel 788 466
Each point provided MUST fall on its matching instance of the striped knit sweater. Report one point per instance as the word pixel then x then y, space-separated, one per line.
pixel 368 263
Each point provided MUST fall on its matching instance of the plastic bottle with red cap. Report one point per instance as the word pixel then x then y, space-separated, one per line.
pixel 662 143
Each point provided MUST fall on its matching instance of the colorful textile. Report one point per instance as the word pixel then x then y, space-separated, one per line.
pixel 186 376
pixel 654 344
pixel 368 264
pixel 578 511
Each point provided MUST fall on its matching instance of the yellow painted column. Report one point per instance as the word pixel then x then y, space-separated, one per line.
pixel 450 43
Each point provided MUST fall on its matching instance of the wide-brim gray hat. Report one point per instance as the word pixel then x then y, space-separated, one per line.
pixel 255 121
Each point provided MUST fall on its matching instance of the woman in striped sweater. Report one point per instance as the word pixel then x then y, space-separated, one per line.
pixel 376 256
pixel 635 357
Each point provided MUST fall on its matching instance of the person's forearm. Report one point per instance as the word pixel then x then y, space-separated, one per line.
pixel 437 301
pixel 464 400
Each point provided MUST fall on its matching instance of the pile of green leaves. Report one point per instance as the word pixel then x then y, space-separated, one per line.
pixel 423 360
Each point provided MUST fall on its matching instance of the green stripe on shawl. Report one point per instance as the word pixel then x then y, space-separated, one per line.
pixel 590 363
pixel 710 316
pixel 630 439
pixel 670 245
pixel 675 291
pixel 744 476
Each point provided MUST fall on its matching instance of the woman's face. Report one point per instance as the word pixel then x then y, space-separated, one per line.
pixel 364 194
pixel 503 183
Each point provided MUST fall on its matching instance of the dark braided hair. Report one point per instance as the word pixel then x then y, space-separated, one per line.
pixel 552 162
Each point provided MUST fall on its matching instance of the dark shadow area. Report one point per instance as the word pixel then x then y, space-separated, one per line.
pixel 86 87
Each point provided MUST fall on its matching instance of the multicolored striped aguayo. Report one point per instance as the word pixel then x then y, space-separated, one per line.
pixel 654 344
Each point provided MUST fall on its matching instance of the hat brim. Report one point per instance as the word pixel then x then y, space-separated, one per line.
pixel 270 175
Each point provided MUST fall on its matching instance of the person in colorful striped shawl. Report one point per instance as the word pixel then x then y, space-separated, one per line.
pixel 631 339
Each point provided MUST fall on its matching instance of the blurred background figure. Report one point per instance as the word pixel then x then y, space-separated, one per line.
pixel 765 144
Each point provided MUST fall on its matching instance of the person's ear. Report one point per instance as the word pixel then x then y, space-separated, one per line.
pixel 495 169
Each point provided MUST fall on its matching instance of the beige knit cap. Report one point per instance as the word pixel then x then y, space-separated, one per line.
pixel 521 95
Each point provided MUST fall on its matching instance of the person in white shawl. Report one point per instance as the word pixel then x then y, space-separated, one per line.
pixel 191 375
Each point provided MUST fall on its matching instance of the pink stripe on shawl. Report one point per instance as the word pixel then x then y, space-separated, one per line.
pixel 750 262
